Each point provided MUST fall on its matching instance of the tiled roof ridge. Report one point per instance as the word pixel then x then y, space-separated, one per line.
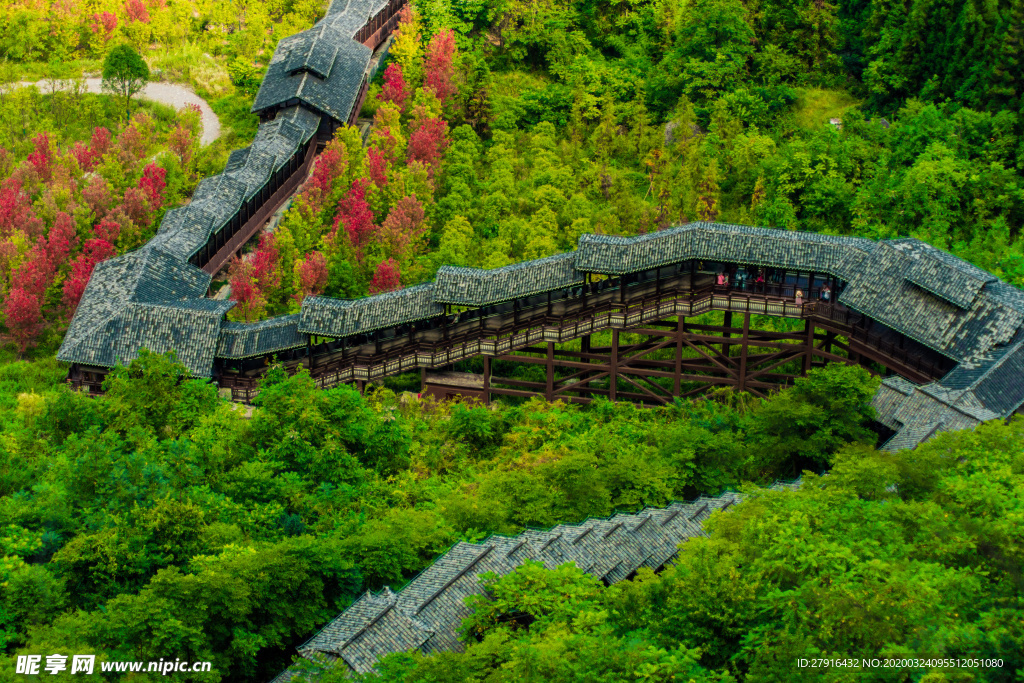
pixel 664 528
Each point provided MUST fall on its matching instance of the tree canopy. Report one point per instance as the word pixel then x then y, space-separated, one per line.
pixel 125 73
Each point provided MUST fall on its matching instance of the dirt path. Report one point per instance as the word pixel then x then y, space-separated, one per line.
pixel 173 95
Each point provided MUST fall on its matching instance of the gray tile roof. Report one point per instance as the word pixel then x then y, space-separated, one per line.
pixel 244 340
pixel 967 396
pixel 146 298
pixel 340 317
pixel 479 287
pixel 719 242
pixel 333 94
pixel 427 613
pixel 889 289
pixel 184 231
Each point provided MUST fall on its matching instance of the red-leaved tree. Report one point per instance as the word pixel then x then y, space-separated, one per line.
pixel 312 273
pixel 107 230
pixel 35 272
pixel 439 65
pixel 42 157
pixel 428 142
pixel 93 252
pixel 246 289
pixel 105 23
pixel 135 10
pixel 394 87
pixel 264 261
pixel 181 142
pixel 355 215
pixel 97 196
pixel 378 167
pixel 387 278
pixel 328 167
pixel 62 239
pixel 16 212
pixel 136 206
pixel 24 316
pixel 403 228
pixel 84 156
pixel 152 183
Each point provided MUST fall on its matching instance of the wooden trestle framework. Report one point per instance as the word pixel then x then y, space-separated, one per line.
pixel 655 353
pixel 658 360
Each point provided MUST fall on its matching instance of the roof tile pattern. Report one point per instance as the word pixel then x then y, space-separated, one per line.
pixel 479 287
pixel 146 298
pixel 245 340
pixel 340 317
pixel 718 242
pixel 963 330
pixel 322 67
pixel 428 612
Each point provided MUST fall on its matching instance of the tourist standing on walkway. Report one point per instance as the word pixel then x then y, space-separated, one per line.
pixel 826 294
pixel 799 297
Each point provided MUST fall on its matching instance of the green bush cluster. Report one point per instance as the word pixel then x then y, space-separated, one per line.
pixel 239 536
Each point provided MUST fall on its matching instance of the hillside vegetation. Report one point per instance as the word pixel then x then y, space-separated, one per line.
pixel 161 521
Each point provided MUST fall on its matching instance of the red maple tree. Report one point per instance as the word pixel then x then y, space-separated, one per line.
pixel 264 261
pixel 152 183
pixel 24 316
pixel 312 272
pixel 428 142
pixel 181 142
pixel 246 289
pixel 355 215
pixel 378 167
pixel 97 196
pixel 16 212
pixel 94 251
pixel 394 87
pixel 42 157
pixel 387 278
pixel 62 239
pixel 135 10
pixel 328 167
pixel 403 228
pixel 439 65
pixel 136 206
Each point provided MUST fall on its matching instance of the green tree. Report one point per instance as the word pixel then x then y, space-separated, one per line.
pixel 802 427
pixel 125 74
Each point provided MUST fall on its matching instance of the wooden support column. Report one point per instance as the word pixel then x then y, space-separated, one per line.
pixel 549 391
pixel 423 380
pixel 727 325
pixel 741 377
pixel 680 331
pixel 487 380
pixel 613 369
pixel 808 346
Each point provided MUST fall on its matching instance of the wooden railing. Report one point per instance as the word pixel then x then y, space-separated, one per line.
pixel 539 326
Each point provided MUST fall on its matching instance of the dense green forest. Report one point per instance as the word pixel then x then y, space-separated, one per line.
pixel 161 521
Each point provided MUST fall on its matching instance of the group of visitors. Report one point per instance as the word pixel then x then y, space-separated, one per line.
pixel 743 280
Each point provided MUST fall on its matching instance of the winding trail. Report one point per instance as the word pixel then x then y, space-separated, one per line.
pixel 176 96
